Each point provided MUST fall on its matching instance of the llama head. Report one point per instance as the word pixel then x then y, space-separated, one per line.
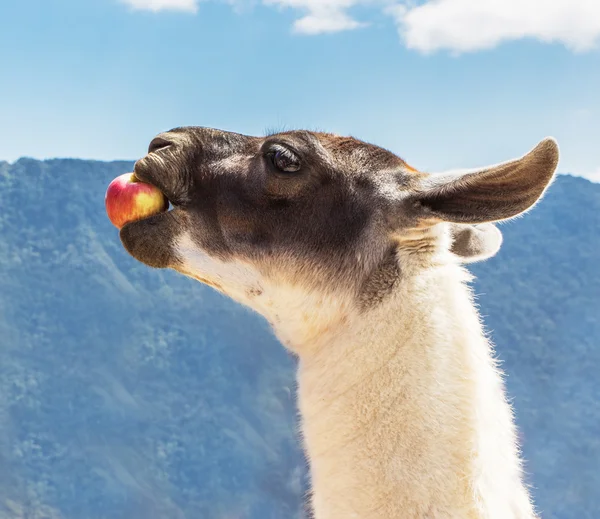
pixel 300 218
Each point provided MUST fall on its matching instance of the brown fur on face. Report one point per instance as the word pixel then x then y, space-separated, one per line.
pixel 332 223
pixel 237 206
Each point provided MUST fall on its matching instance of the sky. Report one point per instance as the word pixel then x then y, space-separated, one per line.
pixel 445 84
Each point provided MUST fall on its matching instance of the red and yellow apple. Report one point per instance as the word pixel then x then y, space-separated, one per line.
pixel 128 200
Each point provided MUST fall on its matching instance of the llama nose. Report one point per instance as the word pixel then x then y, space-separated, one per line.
pixel 158 143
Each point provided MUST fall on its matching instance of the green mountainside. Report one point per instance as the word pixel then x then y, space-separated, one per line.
pixel 130 393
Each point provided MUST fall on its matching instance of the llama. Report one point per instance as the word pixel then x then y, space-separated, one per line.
pixel 355 258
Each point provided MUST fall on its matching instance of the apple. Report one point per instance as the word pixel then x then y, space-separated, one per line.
pixel 128 200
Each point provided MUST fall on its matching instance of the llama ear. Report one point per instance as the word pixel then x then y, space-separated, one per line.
pixel 489 194
pixel 475 242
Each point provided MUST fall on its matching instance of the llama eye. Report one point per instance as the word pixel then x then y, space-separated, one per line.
pixel 285 160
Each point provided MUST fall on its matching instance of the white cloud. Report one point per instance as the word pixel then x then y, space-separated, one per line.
pixel 467 25
pixel 432 25
pixel 323 16
pixel 331 22
pixel 463 25
pixel 190 6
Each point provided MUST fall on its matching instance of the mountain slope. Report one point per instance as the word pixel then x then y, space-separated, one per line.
pixel 541 300
pixel 132 393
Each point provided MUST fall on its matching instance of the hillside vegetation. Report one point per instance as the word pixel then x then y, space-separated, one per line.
pixel 130 393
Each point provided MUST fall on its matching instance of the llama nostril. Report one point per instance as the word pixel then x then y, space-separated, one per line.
pixel 158 143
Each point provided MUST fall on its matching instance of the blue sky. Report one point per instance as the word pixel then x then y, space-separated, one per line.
pixel 442 83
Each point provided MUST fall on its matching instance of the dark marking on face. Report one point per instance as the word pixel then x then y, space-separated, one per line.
pixel 151 240
pixel 402 180
pixel 381 282
pixel 364 182
pixel 312 209
pixel 234 201
pixel 254 292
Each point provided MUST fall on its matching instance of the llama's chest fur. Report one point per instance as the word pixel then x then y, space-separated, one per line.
pixel 404 414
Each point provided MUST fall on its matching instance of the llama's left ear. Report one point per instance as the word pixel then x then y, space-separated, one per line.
pixel 475 242
pixel 489 194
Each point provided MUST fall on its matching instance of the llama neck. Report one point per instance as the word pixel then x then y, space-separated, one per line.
pixel 404 413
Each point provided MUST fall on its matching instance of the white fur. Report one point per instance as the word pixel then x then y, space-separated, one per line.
pixel 404 414
pixel 233 278
pixel 403 410
pixel 297 315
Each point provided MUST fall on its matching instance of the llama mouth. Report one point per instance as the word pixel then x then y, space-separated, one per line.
pixel 144 179
pixel 150 240
pixel 155 171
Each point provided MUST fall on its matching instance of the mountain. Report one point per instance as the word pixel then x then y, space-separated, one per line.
pixel 540 298
pixel 131 393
